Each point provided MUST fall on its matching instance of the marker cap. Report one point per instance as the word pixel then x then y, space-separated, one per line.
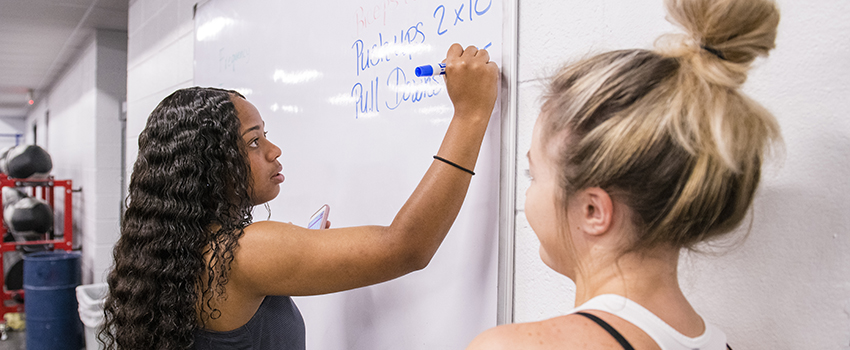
pixel 424 71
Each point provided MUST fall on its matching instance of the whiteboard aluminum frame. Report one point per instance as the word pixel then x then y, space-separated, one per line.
pixel 508 154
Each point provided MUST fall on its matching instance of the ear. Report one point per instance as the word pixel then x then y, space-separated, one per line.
pixel 597 210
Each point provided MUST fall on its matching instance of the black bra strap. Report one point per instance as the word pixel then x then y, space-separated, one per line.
pixel 619 337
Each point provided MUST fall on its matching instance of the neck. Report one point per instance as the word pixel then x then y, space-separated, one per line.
pixel 641 277
pixel 649 279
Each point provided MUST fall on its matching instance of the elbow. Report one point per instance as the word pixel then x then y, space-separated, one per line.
pixel 419 260
pixel 414 258
pixel 412 250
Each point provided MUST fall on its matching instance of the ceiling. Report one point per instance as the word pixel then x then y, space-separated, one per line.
pixel 40 38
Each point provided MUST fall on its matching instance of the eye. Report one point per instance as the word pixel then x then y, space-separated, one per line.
pixel 527 173
pixel 254 143
pixel 266 134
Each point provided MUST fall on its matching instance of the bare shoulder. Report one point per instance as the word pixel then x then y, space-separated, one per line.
pixel 563 332
pixel 509 336
pixel 267 225
pixel 262 232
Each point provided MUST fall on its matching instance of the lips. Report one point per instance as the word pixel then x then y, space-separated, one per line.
pixel 278 177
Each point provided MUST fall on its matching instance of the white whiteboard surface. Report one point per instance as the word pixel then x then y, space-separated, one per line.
pixel 335 85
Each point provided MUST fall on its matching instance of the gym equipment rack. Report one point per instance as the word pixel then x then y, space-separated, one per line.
pixel 9 298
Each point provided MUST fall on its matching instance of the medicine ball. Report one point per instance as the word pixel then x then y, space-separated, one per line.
pixel 12 195
pixel 26 161
pixel 3 154
pixel 29 219
pixel 13 272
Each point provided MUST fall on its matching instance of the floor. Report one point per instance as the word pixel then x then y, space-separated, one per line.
pixel 17 341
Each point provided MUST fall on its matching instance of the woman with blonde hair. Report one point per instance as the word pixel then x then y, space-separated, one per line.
pixel 637 155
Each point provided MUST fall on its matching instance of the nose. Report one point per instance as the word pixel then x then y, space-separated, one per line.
pixel 274 152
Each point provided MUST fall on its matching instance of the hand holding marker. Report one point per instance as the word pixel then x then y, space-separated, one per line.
pixel 435 69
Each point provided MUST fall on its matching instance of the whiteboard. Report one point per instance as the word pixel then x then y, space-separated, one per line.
pixel 334 83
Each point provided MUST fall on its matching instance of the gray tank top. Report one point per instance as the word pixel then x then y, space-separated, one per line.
pixel 277 325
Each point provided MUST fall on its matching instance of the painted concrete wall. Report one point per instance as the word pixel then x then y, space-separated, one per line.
pixel 78 123
pixel 160 55
pixel 11 132
pixel 785 287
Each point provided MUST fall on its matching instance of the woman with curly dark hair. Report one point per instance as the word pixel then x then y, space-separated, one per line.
pixel 193 271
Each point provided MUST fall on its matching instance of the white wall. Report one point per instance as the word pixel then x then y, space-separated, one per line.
pixel 160 55
pixel 788 285
pixel 785 287
pixel 83 136
pixel 103 177
pixel 11 132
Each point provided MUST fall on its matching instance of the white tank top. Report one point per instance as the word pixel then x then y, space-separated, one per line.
pixel 665 336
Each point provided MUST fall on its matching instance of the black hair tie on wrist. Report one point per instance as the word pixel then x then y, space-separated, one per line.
pixel 714 51
pixel 453 164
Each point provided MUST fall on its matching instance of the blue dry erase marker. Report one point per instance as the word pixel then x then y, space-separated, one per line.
pixel 436 69
pixel 431 70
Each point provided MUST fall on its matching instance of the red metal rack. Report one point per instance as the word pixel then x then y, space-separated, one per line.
pixel 47 193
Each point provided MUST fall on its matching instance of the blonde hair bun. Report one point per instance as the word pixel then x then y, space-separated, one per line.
pixel 724 36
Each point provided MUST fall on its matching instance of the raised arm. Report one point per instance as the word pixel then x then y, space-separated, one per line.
pixel 282 259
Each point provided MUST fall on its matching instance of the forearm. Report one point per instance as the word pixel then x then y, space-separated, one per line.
pixel 426 217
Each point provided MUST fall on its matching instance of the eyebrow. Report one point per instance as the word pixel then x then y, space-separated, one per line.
pixel 528 155
pixel 255 127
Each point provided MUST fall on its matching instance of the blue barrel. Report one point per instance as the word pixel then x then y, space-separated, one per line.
pixel 50 301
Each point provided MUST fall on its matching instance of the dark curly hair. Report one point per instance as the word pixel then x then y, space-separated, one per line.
pixel 188 198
